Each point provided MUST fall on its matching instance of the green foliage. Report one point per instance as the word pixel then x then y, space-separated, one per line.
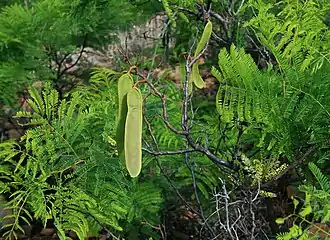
pixel 187 19
pixel 206 177
pixel 282 121
pixel 168 11
pixel 34 37
pixel 321 179
pixel 264 170
pixel 290 28
pixel 310 220
pixel 65 170
pixel 166 138
pixel 66 167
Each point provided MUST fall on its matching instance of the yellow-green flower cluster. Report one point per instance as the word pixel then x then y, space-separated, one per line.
pixel 263 170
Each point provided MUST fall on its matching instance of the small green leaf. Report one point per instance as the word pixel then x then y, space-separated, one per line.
pixel 307 210
pixel 279 220
pixel 295 202
pixel 326 218
pixel 307 199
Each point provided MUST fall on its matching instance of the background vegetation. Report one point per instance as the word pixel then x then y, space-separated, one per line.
pixel 235 133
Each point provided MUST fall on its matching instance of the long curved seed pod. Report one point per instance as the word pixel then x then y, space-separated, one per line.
pixel 196 77
pixel 133 132
pixel 125 84
pixel 204 39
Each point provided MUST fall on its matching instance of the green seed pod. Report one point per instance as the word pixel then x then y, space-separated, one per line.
pixel 196 77
pixel 125 84
pixel 133 132
pixel 204 39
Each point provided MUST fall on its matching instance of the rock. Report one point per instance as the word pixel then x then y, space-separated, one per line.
pixel 136 40
pixel 38 84
pixel 140 37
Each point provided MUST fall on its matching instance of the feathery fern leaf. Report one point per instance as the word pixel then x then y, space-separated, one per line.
pixel 321 179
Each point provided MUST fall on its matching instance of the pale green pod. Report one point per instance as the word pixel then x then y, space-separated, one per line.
pixel 133 132
pixel 125 84
pixel 196 77
pixel 204 39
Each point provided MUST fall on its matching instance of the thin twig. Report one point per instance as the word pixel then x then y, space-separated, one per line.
pixel 163 101
pixel 177 191
pixel 78 58
pixel 191 167
pixel 161 168
pixel 166 153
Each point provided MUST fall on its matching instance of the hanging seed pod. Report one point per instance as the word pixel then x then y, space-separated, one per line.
pixel 125 84
pixel 196 77
pixel 204 39
pixel 133 132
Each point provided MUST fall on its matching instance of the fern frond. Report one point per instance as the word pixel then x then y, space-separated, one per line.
pixel 320 177
pixel 169 11
pixel 298 29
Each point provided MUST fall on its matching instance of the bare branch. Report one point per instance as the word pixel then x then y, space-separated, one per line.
pixel 236 217
pixel 166 153
pixel 191 167
pixel 176 190
pixel 163 100
pixel 218 17
pixel 160 167
pixel 77 60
